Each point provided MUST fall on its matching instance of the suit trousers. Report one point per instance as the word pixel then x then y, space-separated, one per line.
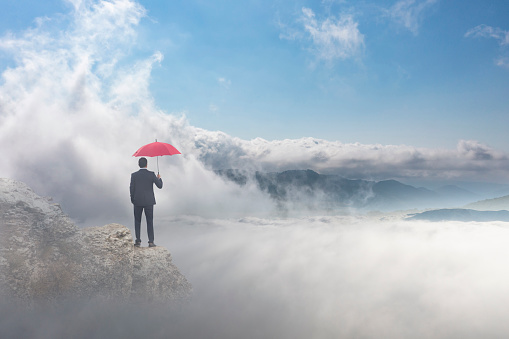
pixel 149 215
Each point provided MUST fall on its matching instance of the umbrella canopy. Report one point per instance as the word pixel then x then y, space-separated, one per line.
pixel 155 149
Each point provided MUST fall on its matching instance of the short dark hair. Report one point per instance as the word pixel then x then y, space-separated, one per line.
pixel 142 162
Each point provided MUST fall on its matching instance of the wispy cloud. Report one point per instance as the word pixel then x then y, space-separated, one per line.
pixel 409 13
pixel 225 83
pixel 502 62
pixel 489 32
pixel 331 38
pixel 485 31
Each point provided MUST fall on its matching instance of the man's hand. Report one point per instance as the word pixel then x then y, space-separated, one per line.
pixel 158 176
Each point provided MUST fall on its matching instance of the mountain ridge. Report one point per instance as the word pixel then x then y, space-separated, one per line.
pixel 495 204
pixel 330 191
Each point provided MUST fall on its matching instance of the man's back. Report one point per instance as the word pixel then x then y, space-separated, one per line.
pixel 142 189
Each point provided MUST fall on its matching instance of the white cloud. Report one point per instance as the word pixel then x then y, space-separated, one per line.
pixel 502 36
pixel 225 83
pixel 344 277
pixel 502 62
pixel 484 31
pixel 470 161
pixel 331 38
pixel 131 86
pixel 71 116
pixel 409 13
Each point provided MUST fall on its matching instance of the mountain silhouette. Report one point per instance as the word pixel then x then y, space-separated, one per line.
pixel 307 188
pixel 460 214
pixel 495 204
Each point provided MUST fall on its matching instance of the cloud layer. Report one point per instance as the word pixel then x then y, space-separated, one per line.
pixel 471 160
pixel 345 277
pixel 325 277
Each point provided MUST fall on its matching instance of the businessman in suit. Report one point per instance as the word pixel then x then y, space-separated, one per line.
pixel 143 199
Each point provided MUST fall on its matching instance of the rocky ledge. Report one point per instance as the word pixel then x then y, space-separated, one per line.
pixel 44 256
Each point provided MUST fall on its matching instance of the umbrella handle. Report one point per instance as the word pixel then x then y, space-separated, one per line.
pixel 157 163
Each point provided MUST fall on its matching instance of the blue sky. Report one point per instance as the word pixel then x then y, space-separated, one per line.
pixel 425 73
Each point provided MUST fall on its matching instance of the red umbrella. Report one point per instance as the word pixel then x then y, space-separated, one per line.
pixel 156 149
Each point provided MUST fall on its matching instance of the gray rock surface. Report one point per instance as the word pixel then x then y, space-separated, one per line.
pixel 108 263
pixel 154 277
pixel 45 256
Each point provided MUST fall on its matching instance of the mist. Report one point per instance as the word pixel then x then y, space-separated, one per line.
pixel 344 277
pixel 313 277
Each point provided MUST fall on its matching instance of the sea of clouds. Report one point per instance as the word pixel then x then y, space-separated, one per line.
pixel 345 277
pixel 74 108
pixel 311 277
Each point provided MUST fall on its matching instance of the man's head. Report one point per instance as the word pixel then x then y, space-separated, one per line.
pixel 142 162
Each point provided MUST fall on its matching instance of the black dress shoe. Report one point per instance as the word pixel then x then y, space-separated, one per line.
pixel 137 243
pixel 151 244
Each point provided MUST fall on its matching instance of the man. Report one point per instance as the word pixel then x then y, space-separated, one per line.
pixel 143 199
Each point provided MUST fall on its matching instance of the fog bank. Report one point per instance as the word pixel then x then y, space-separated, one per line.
pixel 321 277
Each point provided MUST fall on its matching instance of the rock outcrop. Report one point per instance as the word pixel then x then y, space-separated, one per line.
pixel 154 277
pixel 45 256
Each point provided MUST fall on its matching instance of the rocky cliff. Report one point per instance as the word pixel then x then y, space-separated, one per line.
pixel 45 256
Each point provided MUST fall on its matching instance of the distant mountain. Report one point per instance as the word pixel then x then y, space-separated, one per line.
pixel 495 204
pixel 314 190
pixel 392 194
pixel 309 189
pixel 459 214
pixel 456 195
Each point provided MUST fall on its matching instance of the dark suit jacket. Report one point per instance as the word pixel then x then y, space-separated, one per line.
pixel 142 187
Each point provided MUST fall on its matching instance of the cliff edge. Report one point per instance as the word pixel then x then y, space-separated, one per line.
pixel 44 256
